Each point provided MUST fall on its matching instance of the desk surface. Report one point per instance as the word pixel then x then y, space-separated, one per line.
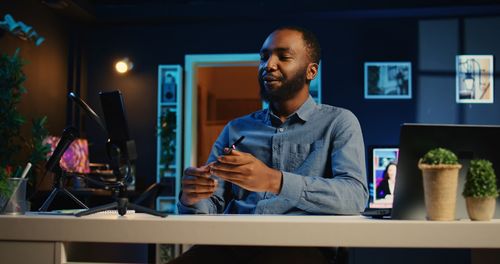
pixel 349 231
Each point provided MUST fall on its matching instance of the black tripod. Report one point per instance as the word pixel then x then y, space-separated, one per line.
pixel 122 203
pixel 154 190
pixel 52 165
pixel 59 187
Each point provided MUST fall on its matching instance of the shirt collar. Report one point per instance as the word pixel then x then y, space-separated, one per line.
pixel 304 112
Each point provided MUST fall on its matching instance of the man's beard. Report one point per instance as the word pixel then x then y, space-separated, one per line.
pixel 289 88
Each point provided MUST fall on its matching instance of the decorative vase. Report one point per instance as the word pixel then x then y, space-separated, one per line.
pixel 480 208
pixel 440 189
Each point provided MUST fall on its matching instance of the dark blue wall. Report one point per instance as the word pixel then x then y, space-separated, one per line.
pixel 347 43
pixel 147 46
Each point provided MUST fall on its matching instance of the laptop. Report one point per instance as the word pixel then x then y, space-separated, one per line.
pixel 382 168
pixel 466 141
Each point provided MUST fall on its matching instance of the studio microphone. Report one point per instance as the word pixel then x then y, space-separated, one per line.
pixel 69 134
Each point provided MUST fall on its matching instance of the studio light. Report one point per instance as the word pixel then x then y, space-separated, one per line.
pixel 124 65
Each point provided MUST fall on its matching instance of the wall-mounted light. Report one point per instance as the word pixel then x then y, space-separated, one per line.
pixel 124 65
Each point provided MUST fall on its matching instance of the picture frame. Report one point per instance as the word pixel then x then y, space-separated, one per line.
pixel 474 79
pixel 388 80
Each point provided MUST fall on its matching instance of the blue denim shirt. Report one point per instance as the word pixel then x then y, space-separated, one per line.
pixel 320 151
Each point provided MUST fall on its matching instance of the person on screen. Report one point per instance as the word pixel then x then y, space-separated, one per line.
pixel 297 158
pixel 385 188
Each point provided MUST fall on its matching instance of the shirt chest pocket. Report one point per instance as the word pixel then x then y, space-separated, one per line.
pixel 301 153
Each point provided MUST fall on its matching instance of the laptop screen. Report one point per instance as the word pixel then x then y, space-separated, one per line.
pixel 466 141
pixel 382 178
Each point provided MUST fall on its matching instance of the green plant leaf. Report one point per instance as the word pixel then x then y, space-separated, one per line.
pixel 481 180
pixel 439 156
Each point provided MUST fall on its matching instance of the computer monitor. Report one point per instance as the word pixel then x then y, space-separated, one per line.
pixel 466 141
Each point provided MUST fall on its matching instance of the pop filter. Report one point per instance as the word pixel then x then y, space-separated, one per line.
pixel 91 113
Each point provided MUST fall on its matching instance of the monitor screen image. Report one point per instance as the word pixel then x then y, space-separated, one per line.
pixel 383 176
pixel 75 158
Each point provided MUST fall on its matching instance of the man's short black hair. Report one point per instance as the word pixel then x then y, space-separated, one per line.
pixel 312 43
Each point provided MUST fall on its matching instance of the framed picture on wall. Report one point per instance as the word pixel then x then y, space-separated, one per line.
pixel 474 79
pixel 387 80
pixel 169 81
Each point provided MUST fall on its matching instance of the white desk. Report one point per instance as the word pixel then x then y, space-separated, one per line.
pixel 243 230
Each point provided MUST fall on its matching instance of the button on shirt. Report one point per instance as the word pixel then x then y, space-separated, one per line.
pixel 320 151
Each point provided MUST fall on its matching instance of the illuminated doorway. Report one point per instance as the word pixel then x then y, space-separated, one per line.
pixel 219 88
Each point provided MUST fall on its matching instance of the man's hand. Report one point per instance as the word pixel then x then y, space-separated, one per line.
pixel 246 171
pixel 197 184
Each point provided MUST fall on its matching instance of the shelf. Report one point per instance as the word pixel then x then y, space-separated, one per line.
pixel 168 104
pixel 169 79
pixel 169 175
pixel 171 166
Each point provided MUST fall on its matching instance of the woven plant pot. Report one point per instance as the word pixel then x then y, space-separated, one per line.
pixel 440 188
pixel 480 208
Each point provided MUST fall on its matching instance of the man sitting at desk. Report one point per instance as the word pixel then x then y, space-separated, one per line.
pixel 297 157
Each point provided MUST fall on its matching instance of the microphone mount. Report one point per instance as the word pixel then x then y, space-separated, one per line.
pixel 69 134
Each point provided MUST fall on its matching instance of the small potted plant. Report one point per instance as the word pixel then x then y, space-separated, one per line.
pixel 480 190
pixel 440 169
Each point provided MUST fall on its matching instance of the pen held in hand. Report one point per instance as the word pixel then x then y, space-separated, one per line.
pixel 228 150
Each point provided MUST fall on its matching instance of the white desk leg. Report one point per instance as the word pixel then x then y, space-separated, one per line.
pixel 60 253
